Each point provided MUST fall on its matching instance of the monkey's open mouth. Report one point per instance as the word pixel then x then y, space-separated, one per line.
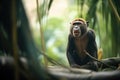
pixel 76 33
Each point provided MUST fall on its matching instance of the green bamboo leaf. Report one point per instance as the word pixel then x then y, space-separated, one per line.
pixel 92 12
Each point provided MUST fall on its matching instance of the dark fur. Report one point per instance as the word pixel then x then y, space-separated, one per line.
pixel 72 52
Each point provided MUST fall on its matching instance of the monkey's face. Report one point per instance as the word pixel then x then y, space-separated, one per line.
pixel 78 28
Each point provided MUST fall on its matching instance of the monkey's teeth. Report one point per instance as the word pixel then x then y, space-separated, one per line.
pixel 76 31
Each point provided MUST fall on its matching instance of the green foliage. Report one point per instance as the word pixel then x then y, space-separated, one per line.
pixel 101 18
pixel 55 37
pixel 105 22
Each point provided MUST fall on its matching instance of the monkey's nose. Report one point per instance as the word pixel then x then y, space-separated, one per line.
pixel 76 27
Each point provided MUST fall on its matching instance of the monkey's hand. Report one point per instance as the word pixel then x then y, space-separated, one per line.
pixel 75 66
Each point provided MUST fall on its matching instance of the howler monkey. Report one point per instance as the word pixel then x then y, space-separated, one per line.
pixel 80 40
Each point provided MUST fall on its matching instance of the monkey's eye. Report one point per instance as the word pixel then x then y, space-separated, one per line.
pixel 77 23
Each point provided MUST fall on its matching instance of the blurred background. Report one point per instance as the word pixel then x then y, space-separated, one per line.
pixel 56 15
pixel 32 29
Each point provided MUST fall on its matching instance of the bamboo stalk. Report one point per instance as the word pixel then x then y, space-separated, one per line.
pixel 78 8
pixel 114 10
pixel 41 34
pixel 14 39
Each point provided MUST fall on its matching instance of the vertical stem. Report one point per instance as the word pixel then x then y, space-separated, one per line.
pixel 41 34
pixel 114 39
pixel 78 8
pixel 99 33
pixel 114 10
pixel 14 39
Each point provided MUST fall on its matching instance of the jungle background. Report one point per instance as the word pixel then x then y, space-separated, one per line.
pixel 34 35
pixel 56 15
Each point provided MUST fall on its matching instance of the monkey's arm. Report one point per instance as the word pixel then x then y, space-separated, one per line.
pixel 70 51
pixel 92 47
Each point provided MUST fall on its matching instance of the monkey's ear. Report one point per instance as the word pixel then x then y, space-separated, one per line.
pixel 87 22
